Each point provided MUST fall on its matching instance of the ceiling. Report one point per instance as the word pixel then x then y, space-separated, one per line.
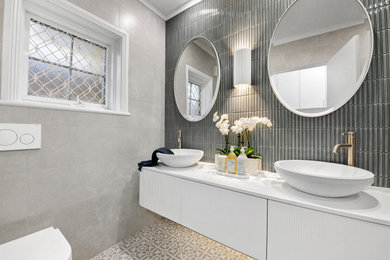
pixel 167 9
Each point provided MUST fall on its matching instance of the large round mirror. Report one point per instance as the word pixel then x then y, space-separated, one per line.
pixel 197 78
pixel 319 55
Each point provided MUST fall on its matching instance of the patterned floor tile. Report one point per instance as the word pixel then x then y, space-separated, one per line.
pixel 168 240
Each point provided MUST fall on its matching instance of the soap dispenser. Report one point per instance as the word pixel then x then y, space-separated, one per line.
pixel 241 162
pixel 231 165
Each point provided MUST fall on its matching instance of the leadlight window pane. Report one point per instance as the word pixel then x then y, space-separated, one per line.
pixel 194 108
pixel 87 87
pixel 47 80
pixel 194 99
pixel 49 44
pixel 64 66
pixel 88 57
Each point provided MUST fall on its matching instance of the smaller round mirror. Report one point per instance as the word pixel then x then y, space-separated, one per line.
pixel 197 78
pixel 319 55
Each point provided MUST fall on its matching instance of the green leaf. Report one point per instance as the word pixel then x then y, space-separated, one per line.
pixel 237 151
pixel 249 151
pixel 222 151
pixel 259 155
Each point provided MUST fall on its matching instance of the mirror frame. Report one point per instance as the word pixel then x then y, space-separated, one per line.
pixel 217 86
pixel 358 84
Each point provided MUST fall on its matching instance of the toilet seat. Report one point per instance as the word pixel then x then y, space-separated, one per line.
pixel 47 244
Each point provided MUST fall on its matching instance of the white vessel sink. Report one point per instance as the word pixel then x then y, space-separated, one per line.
pixel 324 179
pixel 181 157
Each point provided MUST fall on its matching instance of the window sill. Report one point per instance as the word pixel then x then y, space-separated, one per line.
pixel 62 107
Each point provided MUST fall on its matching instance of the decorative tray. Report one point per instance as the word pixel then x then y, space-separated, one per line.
pixel 232 175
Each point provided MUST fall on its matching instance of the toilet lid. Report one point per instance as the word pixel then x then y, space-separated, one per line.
pixel 47 244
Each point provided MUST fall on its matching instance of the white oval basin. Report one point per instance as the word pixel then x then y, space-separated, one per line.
pixel 181 157
pixel 324 179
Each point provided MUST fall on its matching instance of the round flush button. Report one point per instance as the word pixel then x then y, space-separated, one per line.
pixel 26 139
pixel 7 137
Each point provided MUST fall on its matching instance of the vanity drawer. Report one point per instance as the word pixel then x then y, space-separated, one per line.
pixel 161 194
pixel 231 218
pixel 297 233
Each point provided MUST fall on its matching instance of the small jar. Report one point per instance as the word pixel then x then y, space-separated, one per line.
pixel 220 162
pixel 253 165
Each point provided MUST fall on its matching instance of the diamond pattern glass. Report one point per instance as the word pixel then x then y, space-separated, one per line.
pixel 194 99
pixel 194 108
pixel 49 44
pixel 87 87
pixel 88 56
pixel 194 93
pixel 47 80
pixel 64 66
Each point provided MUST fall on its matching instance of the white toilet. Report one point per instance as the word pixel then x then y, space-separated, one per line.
pixel 47 244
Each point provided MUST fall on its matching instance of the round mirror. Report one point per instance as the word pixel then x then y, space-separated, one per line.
pixel 197 78
pixel 319 55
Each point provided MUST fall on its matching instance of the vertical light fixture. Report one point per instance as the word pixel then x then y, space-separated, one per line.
pixel 242 68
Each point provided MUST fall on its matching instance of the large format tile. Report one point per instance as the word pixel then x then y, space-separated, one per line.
pixel 13 230
pixel 13 198
pixel 13 163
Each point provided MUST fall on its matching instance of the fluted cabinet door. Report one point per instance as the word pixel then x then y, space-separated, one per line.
pixel 231 218
pixel 160 193
pixel 296 233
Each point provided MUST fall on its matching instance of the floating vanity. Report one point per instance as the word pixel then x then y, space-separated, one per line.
pixel 266 218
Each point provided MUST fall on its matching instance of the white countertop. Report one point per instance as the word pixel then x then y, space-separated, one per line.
pixel 373 204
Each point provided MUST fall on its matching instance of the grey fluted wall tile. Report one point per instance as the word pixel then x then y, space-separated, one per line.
pixel 231 24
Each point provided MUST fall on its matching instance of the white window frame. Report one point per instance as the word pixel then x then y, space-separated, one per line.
pixel 68 17
pixel 202 80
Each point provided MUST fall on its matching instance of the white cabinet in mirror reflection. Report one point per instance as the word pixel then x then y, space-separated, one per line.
pixel 336 37
pixel 318 87
pixel 303 89
pixel 343 72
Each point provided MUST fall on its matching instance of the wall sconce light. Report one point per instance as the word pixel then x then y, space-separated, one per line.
pixel 242 68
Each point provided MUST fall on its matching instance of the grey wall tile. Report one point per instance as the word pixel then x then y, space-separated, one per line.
pixel 13 198
pixel 13 230
pixel 84 180
pixel 292 137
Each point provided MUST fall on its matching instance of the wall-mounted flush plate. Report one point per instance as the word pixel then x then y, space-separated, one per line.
pixel 20 137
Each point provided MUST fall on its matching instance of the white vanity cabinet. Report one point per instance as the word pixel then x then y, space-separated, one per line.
pixel 234 219
pixel 266 218
pixel 305 234
pixel 160 193
pixel 231 218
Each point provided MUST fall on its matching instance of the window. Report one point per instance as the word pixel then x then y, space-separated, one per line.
pixel 199 92
pixel 194 99
pixel 64 66
pixel 69 59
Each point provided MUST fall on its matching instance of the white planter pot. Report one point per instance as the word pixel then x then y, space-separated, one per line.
pixel 253 165
pixel 220 162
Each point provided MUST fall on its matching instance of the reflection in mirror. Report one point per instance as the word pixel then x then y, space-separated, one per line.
pixel 197 78
pixel 319 55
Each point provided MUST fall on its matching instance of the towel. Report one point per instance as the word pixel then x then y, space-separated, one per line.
pixel 154 160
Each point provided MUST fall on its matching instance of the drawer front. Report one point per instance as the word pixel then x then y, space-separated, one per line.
pixel 231 218
pixel 296 233
pixel 160 193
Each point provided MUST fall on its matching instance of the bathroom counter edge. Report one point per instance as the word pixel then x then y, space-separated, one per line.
pixel 372 204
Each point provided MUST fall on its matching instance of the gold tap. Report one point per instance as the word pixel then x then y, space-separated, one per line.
pixel 180 139
pixel 351 147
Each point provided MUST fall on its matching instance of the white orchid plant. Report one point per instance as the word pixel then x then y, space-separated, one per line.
pixel 243 128
pixel 223 124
